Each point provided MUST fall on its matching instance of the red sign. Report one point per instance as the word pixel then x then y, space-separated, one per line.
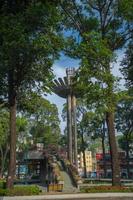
pixel 99 156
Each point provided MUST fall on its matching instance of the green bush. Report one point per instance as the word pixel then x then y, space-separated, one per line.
pixel 2 184
pixel 3 192
pixel 20 191
pixel 96 181
pixel 95 189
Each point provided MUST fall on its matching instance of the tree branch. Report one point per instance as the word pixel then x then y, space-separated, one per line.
pixel 107 12
pixel 93 7
pixel 77 26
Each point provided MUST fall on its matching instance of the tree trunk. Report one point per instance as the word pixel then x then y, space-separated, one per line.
pixel 104 159
pixel 103 149
pixel 127 157
pixel 12 127
pixel 12 155
pixel 113 149
pixel 84 159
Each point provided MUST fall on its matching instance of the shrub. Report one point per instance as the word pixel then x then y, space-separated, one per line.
pixel 20 191
pixel 2 184
pixel 74 173
pixel 95 189
pixel 96 181
pixel 3 192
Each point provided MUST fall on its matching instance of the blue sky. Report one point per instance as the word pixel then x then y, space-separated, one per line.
pixel 59 68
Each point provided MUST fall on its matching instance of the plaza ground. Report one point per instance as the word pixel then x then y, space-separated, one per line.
pixel 97 196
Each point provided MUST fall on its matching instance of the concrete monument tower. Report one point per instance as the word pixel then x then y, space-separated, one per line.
pixel 63 87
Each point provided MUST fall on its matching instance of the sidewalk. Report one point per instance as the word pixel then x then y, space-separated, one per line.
pixel 73 196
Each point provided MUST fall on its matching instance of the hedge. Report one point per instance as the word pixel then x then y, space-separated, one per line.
pixel 97 189
pixel 20 191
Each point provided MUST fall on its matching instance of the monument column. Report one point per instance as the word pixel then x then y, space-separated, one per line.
pixel 75 152
pixel 64 88
pixel 69 128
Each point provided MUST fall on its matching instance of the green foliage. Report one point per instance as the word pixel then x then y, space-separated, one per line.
pixel 97 189
pixel 3 192
pixel 124 117
pixel 45 123
pixel 123 140
pixel 103 29
pixel 2 184
pixel 63 140
pixel 126 9
pixel 95 48
pixel 21 123
pixel 4 127
pixel 91 125
pixel 90 120
pixel 29 44
pixel 4 139
pixel 22 129
pixel 21 191
pixel 95 145
pixel 127 64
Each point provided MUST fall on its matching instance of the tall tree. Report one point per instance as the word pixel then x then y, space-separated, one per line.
pixel 4 137
pixel 83 132
pixel 102 30
pixel 29 43
pixel 45 123
pixel 91 125
pixel 124 125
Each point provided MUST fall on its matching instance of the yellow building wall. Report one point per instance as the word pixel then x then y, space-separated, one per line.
pixel 88 158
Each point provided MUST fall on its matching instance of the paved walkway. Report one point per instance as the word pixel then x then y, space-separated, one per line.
pixel 68 185
pixel 98 196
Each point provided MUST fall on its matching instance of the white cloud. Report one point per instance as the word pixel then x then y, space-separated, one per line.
pixel 59 71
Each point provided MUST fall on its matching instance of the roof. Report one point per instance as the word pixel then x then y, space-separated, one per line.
pixel 34 155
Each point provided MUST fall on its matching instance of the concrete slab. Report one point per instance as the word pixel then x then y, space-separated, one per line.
pixel 74 196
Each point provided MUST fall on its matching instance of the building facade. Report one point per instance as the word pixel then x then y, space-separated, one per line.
pixel 88 160
pixel 101 163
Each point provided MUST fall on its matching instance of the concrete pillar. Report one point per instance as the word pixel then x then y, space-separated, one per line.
pixel 74 129
pixel 69 127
